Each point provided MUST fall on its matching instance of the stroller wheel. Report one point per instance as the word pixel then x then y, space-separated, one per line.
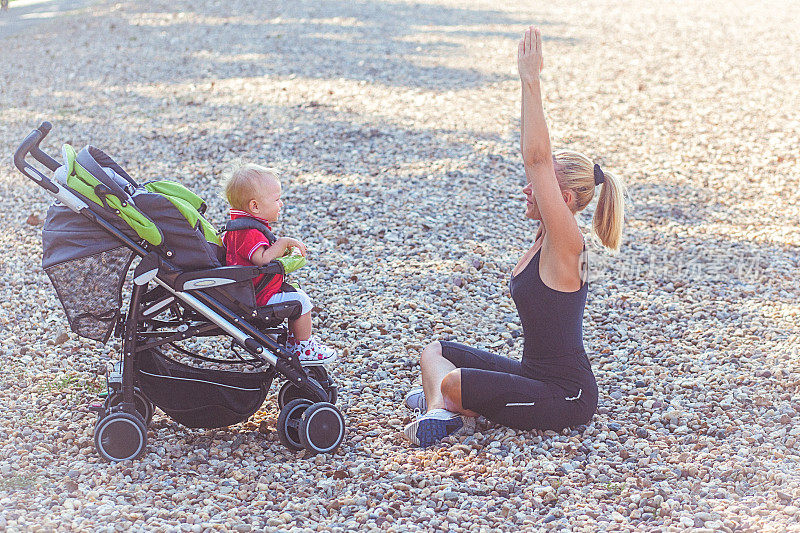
pixel 144 406
pixel 289 423
pixel 120 437
pixel 318 372
pixel 322 428
pixel 321 375
pixel 289 391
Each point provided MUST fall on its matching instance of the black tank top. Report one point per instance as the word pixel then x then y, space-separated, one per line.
pixel 552 325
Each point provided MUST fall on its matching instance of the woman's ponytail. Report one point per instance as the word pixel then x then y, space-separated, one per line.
pixel 576 172
pixel 609 215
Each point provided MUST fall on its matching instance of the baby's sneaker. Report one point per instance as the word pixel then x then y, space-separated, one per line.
pixel 312 353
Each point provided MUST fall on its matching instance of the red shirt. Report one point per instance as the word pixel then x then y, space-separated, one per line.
pixel 239 248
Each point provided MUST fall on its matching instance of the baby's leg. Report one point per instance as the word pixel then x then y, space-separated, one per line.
pixel 301 327
pixel 307 349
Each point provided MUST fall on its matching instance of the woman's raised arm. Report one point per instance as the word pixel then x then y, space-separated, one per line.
pixel 537 154
pixel 535 140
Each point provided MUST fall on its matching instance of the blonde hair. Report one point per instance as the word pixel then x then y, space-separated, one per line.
pixel 575 172
pixel 244 183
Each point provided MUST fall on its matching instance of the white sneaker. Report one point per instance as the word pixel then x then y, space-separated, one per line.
pixel 312 353
pixel 433 426
pixel 415 400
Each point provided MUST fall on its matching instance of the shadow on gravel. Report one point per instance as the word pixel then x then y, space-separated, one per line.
pixel 371 41
pixel 717 265
pixel 666 202
pixel 24 16
pixel 376 42
pixel 307 138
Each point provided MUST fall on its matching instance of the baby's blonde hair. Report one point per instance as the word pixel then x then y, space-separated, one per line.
pixel 244 183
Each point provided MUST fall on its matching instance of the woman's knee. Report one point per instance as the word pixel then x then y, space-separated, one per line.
pixel 451 388
pixel 431 352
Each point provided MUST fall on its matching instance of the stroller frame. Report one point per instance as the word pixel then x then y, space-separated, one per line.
pixel 308 418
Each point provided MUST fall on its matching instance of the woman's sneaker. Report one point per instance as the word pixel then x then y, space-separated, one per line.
pixel 415 400
pixel 313 353
pixel 433 426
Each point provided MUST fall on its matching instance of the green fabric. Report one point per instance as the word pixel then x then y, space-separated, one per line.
pixel 175 190
pixel 82 181
pixel 141 223
pixel 69 157
pixel 187 203
pixel 209 232
pixel 292 262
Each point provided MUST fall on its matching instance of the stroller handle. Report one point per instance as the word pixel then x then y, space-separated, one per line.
pixel 31 146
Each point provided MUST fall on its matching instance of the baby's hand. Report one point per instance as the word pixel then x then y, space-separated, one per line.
pixel 529 55
pixel 294 243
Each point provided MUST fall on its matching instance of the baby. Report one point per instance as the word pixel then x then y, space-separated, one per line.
pixel 254 191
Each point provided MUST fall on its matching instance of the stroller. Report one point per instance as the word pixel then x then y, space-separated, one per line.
pixel 181 293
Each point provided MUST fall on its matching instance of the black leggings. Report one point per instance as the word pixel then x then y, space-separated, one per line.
pixel 497 388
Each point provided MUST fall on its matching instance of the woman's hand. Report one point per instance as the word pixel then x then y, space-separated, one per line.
pixel 530 61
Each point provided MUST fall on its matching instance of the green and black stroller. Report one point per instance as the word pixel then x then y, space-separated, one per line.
pixel 181 293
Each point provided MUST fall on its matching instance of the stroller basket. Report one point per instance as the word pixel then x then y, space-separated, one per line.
pixel 200 398
pixel 87 267
pixel 90 291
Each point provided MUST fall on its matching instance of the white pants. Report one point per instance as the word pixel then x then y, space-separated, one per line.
pixel 298 296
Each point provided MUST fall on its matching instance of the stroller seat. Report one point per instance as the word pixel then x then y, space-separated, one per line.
pixel 233 285
pixel 184 248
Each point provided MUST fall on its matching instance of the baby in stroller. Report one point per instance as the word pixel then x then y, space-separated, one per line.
pixel 195 342
pixel 254 195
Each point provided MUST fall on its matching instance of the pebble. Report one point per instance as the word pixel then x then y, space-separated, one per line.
pixel 395 128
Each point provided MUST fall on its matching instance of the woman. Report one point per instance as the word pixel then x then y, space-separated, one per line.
pixel 553 387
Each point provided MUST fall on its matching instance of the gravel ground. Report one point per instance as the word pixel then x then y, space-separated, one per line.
pixel 396 126
pixel 24 15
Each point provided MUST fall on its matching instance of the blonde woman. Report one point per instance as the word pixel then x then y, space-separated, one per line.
pixel 553 387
